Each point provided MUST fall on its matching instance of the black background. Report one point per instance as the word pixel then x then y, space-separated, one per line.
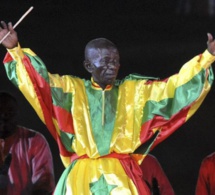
pixel 152 39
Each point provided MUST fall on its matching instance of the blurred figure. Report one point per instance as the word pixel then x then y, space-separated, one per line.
pixel 211 7
pixel 155 177
pixel 183 7
pixel 206 179
pixel 200 8
pixel 26 166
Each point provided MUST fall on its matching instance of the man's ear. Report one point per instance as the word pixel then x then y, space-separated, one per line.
pixel 88 66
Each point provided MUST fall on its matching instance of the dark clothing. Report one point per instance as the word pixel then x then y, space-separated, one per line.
pixel 206 178
pixel 31 167
pixel 154 175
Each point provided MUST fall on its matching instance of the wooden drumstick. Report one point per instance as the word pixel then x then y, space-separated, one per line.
pixel 24 15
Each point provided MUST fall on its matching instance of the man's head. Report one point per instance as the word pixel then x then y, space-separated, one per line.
pixel 8 112
pixel 102 61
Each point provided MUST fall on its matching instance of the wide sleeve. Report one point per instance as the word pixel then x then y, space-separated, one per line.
pixel 41 165
pixel 49 94
pixel 169 103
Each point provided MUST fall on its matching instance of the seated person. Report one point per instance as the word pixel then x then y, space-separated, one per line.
pixel 206 179
pixel 155 177
pixel 26 164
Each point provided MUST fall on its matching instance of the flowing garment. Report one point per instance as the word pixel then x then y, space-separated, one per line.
pixel 98 130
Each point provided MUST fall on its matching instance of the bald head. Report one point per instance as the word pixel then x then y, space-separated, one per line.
pixel 102 61
pixel 98 43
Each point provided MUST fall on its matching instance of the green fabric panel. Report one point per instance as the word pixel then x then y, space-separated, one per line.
pixel 101 187
pixel 11 72
pixel 170 106
pixel 146 146
pixel 61 185
pixel 67 140
pixel 211 75
pixel 102 134
pixel 135 76
pixel 61 99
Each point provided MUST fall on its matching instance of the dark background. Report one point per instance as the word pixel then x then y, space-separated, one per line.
pixel 154 39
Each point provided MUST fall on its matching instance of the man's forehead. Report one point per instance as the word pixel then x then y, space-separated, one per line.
pixel 104 51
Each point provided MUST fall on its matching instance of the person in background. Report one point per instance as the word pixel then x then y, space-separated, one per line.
pixel 26 164
pixel 183 7
pixel 155 177
pixel 98 123
pixel 206 178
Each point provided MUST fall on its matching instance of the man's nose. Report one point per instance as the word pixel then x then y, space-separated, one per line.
pixel 112 65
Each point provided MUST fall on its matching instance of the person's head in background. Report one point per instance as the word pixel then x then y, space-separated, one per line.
pixel 8 113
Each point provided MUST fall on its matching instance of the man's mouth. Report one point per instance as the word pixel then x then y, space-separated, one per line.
pixel 110 77
pixel 110 74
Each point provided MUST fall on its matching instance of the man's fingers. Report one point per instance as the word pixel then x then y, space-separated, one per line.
pixel 4 25
pixel 10 26
pixel 210 37
pixel 7 27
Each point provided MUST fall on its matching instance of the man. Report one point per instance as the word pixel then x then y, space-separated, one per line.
pixel 98 124
pixel 206 179
pixel 26 165
pixel 155 177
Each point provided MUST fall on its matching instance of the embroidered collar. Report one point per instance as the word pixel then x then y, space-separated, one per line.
pixel 97 87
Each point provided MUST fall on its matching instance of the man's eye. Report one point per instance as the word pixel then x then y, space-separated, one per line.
pixel 104 61
pixel 116 61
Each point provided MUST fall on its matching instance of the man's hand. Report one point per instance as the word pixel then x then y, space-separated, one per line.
pixel 211 44
pixel 12 40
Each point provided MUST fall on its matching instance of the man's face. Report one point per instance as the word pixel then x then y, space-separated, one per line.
pixel 105 64
pixel 8 110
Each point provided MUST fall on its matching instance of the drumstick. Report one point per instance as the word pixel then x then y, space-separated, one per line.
pixel 24 15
